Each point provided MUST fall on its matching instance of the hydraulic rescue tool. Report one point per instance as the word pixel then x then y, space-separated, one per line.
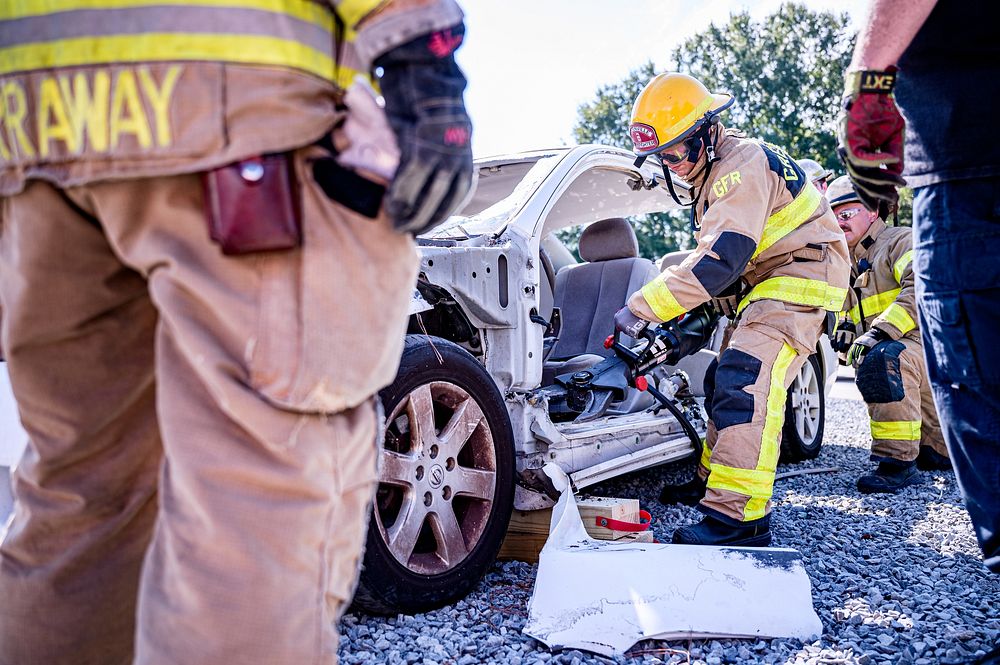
pixel 588 394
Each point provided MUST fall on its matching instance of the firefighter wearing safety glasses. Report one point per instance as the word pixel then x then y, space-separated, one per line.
pixel 771 256
pixel 880 336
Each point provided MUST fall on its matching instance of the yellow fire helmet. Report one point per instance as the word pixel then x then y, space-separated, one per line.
pixel 671 108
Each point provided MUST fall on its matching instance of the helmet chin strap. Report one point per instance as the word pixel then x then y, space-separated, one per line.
pixel 704 136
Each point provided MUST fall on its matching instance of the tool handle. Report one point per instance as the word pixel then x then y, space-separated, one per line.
pixel 645 519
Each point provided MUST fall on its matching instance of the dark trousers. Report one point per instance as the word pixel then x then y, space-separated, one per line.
pixel 957 242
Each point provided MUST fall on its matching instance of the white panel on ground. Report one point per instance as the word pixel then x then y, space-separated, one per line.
pixel 604 597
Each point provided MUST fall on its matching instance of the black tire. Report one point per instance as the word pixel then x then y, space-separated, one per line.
pixel 433 575
pixel 805 414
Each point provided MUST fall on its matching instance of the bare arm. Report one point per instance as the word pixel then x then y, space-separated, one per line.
pixel 890 27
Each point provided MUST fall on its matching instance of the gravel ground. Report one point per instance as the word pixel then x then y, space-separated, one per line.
pixel 896 579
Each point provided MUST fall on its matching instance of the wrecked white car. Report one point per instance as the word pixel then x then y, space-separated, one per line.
pixel 508 367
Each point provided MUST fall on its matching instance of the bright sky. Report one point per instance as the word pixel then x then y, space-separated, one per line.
pixel 531 63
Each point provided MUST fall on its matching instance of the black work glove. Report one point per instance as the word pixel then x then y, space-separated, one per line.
pixel 628 323
pixel 422 86
pixel 843 336
pixel 863 344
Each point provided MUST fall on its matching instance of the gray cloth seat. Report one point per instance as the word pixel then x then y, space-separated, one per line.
pixel 588 294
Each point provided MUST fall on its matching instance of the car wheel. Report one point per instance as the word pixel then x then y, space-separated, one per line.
pixel 446 482
pixel 805 413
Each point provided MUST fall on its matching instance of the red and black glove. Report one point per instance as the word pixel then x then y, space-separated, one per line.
pixel 871 138
pixel 423 86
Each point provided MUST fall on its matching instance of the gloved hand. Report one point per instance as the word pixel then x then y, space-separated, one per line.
pixel 843 336
pixel 863 344
pixel 628 323
pixel 422 86
pixel 870 133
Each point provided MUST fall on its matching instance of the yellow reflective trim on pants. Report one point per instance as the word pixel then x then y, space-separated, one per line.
pixel 758 483
pixel 897 430
pixel 305 10
pixel 899 317
pixel 754 483
pixel 661 300
pixel 770 439
pixel 797 291
pixel 900 265
pixel 160 47
pixel 789 218
pixel 706 455
pixel 873 305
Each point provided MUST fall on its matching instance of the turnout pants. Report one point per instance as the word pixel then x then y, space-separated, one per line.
pixel 202 450
pixel 747 389
pixel 900 427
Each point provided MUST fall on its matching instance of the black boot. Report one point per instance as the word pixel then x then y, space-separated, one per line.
pixel 689 493
pixel 710 531
pixel 931 460
pixel 889 478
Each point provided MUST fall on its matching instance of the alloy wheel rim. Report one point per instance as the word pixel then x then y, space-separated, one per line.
pixel 437 478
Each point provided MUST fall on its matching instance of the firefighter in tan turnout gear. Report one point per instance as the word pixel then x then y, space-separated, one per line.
pixel 880 337
pixel 771 256
pixel 202 292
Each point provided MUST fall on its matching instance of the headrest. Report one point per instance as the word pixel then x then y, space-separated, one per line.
pixel 607 240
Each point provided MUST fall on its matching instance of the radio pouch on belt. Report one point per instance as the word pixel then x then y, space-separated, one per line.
pixel 252 205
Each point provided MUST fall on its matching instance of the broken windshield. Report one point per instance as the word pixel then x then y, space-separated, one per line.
pixel 502 190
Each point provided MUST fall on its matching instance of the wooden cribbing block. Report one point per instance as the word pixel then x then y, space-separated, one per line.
pixel 528 530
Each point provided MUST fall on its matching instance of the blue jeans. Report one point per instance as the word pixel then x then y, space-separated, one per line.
pixel 957 242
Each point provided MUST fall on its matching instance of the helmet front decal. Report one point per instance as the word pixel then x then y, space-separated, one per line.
pixel 643 136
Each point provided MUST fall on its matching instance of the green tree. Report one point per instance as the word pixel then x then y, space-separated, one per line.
pixel 786 73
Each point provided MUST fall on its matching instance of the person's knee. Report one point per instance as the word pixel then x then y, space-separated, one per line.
pixel 731 403
pixel 879 378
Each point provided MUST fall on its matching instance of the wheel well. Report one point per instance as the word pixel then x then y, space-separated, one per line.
pixel 446 320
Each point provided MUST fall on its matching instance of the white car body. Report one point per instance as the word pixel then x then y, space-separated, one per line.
pixel 562 187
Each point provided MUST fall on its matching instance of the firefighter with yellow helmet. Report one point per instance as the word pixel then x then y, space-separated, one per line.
pixel 206 262
pixel 771 256
pixel 880 336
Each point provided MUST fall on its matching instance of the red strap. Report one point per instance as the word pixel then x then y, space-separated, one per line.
pixel 617 525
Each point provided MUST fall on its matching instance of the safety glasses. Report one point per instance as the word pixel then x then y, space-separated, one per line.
pixel 847 215
pixel 675 155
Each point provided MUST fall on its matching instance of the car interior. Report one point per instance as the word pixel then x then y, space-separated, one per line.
pixel 587 295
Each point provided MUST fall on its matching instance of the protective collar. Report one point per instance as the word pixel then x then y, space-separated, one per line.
pixel 867 241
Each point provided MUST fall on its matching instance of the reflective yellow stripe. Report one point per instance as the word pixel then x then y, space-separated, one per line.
pixel 769 443
pixel 789 218
pixel 758 483
pixel 706 455
pixel 158 47
pixel 352 11
pixel 661 300
pixel 754 483
pixel 306 10
pixel 798 291
pixel 899 317
pixel 900 265
pixel 873 305
pixel 685 123
pixel 897 430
